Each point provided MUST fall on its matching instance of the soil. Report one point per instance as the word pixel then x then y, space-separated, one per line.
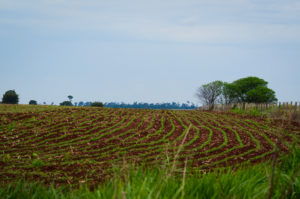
pixel 62 146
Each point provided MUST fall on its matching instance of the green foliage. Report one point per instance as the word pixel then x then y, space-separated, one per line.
pixel 10 97
pixel 97 104
pixel 248 83
pixel 33 102
pixel 66 103
pixel 252 112
pixel 70 97
pixel 250 90
pixel 229 94
pixel 160 182
pixel 260 94
pixel 37 163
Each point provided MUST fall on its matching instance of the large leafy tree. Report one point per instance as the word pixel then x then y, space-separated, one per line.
pixel 260 94
pixel 250 90
pixel 10 97
pixel 242 86
pixel 209 93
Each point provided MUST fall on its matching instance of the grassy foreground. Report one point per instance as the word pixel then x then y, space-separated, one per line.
pixel 276 179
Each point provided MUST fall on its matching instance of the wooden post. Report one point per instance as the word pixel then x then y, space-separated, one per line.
pixel 284 106
pixel 295 109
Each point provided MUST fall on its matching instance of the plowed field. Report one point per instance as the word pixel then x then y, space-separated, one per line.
pixel 76 145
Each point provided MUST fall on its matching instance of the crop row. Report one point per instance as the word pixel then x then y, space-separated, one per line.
pixel 70 145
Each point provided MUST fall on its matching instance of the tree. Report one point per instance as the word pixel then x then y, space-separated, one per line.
pixel 261 94
pixel 33 102
pixel 210 93
pixel 97 104
pixel 10 97
pixel 251 90
pixel 66 103
pixel 228 93
pixel 70 97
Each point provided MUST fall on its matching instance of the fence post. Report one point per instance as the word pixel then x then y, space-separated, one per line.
pixel 295 110
pixel 284 106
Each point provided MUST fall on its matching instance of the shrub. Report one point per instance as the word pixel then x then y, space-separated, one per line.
pixel 97 104
pixel 10 97
pixel 66 103
pixel 33 102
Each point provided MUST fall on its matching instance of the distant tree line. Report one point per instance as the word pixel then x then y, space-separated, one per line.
pixel 172 105
pixel 138 105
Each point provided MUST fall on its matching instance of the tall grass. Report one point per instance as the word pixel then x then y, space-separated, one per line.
pixel 287 115
pixel 156 182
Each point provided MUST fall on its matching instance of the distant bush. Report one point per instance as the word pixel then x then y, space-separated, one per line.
pixel 97 104
pixel 33 102
pixel 66 103
pixel 10 97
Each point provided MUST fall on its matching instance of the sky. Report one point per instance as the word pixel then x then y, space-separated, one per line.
pixel 145 50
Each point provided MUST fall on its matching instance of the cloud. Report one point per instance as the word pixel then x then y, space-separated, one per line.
pixel 240 21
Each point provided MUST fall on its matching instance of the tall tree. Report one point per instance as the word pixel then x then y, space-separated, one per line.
pixel 70 98
pixel 228 93
pixel 247 90
pixel 242 86
pixel 260 94
pixel 209 93
pixel 10 97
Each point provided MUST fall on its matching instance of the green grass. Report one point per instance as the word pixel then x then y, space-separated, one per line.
pixel 166 182
pixel 18 108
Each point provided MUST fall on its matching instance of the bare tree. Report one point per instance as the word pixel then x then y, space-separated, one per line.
pixel 209 93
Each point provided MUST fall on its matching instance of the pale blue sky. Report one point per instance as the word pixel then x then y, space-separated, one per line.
pixel 150 51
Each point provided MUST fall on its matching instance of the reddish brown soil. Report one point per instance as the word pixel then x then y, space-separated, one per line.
pixel 78 145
